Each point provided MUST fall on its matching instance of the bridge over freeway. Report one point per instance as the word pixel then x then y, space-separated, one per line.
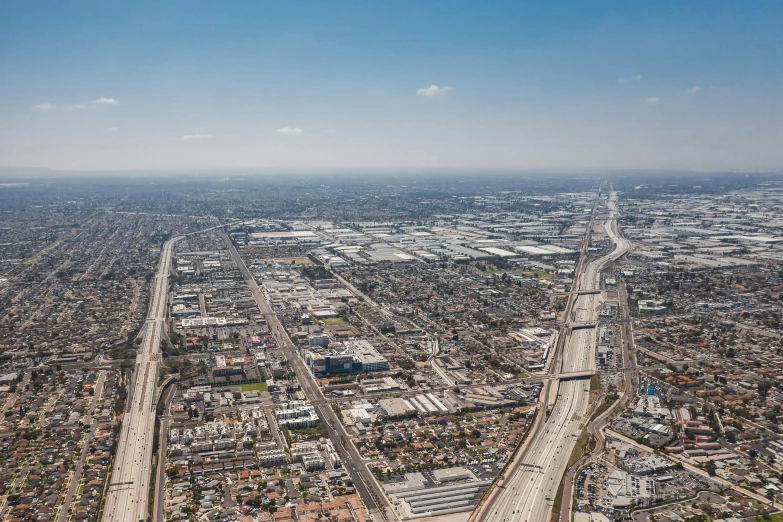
pixel 582 325
pixel 568 376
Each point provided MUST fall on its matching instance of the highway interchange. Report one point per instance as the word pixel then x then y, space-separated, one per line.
pixel 528 491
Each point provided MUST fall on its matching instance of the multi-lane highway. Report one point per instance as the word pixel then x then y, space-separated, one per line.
pixel 128 490
pixel 531 482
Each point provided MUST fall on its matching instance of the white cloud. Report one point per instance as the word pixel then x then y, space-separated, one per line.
pixel 113 129
pixel 104 101
pixel 433 90
pixel 290 130
pixel 652 99
pixel 626 79
pixel 76 106
pixel 45 106
pixel 195 137
pixel 694 89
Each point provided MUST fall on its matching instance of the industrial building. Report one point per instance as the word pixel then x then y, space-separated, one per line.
pixel 416 496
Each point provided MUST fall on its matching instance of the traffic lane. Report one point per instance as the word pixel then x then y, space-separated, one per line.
pixel 591 281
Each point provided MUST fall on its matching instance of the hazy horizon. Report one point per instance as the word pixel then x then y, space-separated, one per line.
pixel 352 86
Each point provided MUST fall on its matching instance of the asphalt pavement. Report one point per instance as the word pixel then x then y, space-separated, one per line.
pixel 127 495
pixel 532 480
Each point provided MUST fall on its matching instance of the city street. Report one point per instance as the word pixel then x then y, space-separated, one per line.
pixel 362 479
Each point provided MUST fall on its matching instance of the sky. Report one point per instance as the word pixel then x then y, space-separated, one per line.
pixel 401 85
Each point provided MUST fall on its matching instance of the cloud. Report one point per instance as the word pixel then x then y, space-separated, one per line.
pixel 45 106
pixel 433 90
pixel 694 89
pixel 626 79
pixel 652 99
pixel 113 129
pixel 104 101
pixel 196 137
pixel 76 106
pixel 290 130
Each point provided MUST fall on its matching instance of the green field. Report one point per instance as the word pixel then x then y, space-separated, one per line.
pixel 579 449
pixel 609 400
pixel 254 386
pixel 38 255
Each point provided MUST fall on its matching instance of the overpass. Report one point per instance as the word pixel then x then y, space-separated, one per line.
pixel 566 376
pixel 575 376
pixel 582 325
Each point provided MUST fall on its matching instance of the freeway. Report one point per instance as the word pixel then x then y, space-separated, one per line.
pixel 363 481
pixel 127 495
pixel 532 480
pixel 596 426
pixel 128 490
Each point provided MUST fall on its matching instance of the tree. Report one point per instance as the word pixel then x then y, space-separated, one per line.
pixel 710 467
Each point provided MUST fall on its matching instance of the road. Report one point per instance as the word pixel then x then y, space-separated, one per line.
pixel 531 482
pixel 127 495
pixel 10 402
pixel 435 364
pixel 158 509
pixel 76 477
pixel 363 481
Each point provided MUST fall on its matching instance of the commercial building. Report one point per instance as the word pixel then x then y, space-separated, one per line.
pixel 223 368
pixel 297 415
pixel 396 407
pixel 451 474
pixel 352 357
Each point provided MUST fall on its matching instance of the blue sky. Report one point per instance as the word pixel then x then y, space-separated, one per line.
pixel 349 85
